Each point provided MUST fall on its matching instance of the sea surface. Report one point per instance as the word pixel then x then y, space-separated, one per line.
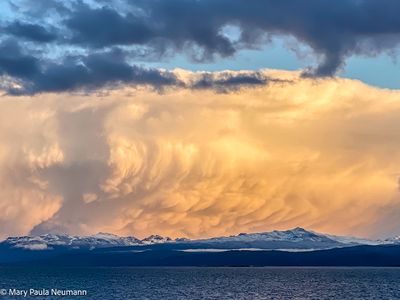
pixel 203 283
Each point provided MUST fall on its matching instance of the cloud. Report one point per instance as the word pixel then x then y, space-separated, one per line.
pixel 225 81
pixel 89 28
pixel 71 35
pixel 97 71
pixel 27 146
pixel 84 72
pixel 322 154
pixel 14 62
pixel 32 32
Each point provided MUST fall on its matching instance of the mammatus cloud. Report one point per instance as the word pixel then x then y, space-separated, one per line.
pixel 322 154
pixel 63 50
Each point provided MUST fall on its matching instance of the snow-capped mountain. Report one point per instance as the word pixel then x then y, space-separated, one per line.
pixel 293 235
pixel 296 239
pixel 275 248
pixel 48 241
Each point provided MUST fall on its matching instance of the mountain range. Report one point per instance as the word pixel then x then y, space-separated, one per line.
pixel 252 248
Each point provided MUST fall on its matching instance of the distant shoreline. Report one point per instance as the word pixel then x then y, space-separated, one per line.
pixel 358 256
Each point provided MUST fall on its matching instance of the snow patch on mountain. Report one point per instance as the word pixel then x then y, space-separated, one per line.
pixel 393 240
pixel 156 239
pixel 354 240
pixel 33 246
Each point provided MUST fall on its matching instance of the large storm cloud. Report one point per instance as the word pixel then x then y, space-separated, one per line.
pixel 60 40
pixel 197 162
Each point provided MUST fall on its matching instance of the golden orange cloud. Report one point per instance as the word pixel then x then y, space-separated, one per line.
pixel 322 154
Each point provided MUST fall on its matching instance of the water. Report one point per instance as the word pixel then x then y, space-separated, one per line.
pixel 208 283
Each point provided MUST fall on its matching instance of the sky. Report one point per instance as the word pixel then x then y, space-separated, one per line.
pixel 199 118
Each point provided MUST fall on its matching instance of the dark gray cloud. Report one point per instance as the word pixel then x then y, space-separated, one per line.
pixel 83 72
pixel 14 62
pixel 32 32
pixel 182 25
pixel 95 71
pixel 104 26
pixel 334 30
pixel 230 81
pixel 100 69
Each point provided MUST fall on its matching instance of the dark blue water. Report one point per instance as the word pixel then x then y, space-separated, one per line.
pixel 207 283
